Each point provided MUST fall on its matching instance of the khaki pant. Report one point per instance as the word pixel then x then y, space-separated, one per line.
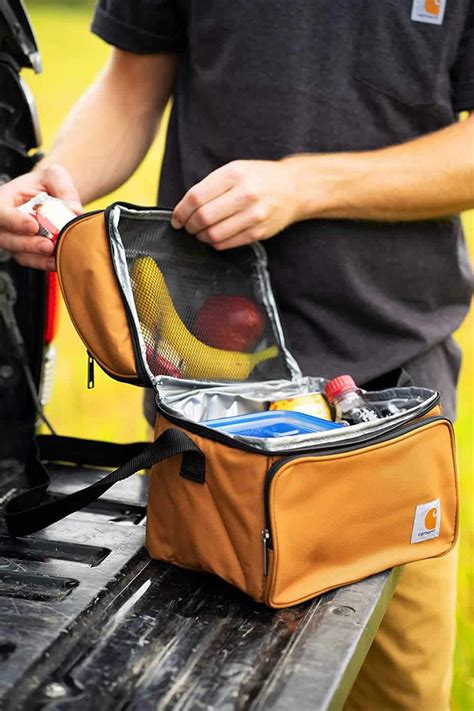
pixel 409 666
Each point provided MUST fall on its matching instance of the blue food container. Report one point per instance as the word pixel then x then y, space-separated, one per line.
pixel 278 423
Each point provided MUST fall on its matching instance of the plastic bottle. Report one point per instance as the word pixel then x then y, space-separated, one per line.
pixel 348 401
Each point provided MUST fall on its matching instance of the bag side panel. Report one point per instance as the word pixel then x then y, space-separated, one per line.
pixel 90 290
pixel 337 519
pixel 215 526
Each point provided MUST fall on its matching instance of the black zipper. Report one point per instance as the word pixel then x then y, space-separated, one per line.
pixel 92 360
pixel 274 469
pixel 222 438
pixel 90 371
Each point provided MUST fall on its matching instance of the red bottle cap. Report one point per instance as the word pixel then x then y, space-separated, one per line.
pixel 339 385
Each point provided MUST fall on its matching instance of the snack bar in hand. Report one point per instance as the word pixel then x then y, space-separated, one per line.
pixel 50 212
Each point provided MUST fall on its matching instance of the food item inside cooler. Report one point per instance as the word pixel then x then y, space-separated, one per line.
pixel 160 322
pixel 310 404
pixel 271 424
pixel 233 323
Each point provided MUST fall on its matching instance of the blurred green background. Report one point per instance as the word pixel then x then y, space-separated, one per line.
pixel 72 57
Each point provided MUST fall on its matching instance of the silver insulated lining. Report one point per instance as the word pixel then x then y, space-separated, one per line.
pixel 195 404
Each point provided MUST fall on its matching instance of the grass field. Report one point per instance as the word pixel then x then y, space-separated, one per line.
pixel 71 58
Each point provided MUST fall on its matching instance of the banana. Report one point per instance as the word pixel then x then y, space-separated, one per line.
pixel 157 314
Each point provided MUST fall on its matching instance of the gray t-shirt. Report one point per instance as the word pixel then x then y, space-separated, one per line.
pixel 262 80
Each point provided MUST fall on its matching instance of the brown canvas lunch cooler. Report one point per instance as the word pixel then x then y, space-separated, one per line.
pixel 283 518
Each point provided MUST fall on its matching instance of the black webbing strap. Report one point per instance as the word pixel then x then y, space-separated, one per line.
pixel 86 452
pixel 26 513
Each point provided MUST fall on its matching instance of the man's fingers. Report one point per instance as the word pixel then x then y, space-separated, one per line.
pixel 35 261
pixel 215 212
pixel 12 220
pixel 228 228
pixel 244 237
pixel 214 185
pixel 29 245
pixel 58 183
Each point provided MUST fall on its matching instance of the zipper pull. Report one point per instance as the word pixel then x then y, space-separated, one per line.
pixel 90 371
pixel 265 536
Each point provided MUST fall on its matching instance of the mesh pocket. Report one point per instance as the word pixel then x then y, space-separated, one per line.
pixel 202 315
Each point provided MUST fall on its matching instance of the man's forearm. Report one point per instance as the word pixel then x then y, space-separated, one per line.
pixel 110 129
pixel 248 201
pixel 429 177
pixel 101 143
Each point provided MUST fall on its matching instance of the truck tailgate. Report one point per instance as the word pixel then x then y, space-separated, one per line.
pixel 87 618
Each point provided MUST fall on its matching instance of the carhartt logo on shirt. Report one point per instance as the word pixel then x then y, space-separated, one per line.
pixel 427 521
pixel 430 11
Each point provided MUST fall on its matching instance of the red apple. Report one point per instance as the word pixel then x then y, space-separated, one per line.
pixel 159 365
pixel 232 323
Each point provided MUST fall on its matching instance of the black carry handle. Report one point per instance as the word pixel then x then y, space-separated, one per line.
pixel 26 513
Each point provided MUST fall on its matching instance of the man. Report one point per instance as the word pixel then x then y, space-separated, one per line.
pixel 330 131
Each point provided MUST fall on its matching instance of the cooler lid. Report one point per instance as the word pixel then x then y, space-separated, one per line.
pixel 197 314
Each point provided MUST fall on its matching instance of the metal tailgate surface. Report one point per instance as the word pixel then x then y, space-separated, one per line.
pixel 88 621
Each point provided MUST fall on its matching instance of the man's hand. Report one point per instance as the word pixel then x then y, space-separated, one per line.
pixel 17 230
pixel 427 178
pixel 242 202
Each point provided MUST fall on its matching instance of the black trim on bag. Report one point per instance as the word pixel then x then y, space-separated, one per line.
pixel 139 208
pixel 384 437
